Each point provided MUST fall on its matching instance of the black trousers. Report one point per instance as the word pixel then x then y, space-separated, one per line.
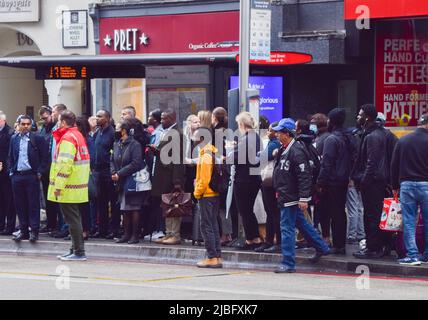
pixel 322 216
pixel 85 213
pixel 7 207
pixel 107 203
pixel 273 215
pixel 26 192
pixel 245 195
pixel 52 208
pixel 373 196
pixel 335 201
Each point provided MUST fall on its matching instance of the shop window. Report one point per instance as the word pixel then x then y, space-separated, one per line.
pixel 128 92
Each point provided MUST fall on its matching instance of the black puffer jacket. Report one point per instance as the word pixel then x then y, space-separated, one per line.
pixel 374 156
pixel 292 177
pixel 338 159
pixel 126 159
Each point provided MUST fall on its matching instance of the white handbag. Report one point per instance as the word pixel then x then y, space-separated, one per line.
pixel 142 180
pixel 267 174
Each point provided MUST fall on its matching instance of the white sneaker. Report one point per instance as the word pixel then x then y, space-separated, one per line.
pixel 157 235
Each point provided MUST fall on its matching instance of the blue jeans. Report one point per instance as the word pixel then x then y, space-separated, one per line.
pixel 292 217
pixel 412 195
pixel 354 205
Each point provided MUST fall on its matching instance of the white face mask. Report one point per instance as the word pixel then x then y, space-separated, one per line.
pixel 313 128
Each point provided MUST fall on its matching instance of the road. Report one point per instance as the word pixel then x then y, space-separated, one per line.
pixel 27 277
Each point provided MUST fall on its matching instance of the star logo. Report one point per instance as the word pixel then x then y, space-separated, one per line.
pixel 107 41
pixel 144 40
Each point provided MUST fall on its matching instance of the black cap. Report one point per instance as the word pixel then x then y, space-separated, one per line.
pixel 337 116
pixel 423 120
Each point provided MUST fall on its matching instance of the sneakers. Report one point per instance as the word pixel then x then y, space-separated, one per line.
pixel 64 255
pixel 284 269
pixel 74 257
pixel 210 263
pixel 367 254
pixel 157 235
pixel 409 261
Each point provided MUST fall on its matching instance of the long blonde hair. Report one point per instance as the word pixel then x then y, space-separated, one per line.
pixel 205 118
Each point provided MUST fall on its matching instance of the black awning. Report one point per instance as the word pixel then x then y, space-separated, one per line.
pixel 120 59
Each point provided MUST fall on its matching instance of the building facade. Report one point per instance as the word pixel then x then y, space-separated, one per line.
pixel 32 28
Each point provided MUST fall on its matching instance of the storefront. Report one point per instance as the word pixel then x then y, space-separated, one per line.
pixel 401 57
pixel 191 32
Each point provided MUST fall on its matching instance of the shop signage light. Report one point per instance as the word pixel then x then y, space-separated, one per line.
pixel 126 39
pixel 283 58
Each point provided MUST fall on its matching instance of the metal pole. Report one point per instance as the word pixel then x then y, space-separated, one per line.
pixel 244 52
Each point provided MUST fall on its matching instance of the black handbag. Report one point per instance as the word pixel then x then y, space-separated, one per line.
pixel 177 204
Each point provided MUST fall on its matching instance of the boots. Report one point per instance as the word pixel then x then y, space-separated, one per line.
pixel 127 228
pixel 135 224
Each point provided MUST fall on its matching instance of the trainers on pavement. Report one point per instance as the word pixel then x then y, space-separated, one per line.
pixel 157 235
pixel 64 255
pixel 284 269
pixel 409 261
pixel 73 257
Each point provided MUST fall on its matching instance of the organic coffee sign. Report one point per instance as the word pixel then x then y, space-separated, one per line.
pixel 19 10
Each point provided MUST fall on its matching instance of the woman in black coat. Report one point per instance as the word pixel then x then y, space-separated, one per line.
pixel 125 161
pixel 247 177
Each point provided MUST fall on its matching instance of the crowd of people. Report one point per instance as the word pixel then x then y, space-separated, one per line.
pixel 312 174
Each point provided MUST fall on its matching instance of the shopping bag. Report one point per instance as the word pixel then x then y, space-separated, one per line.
pixel 392 219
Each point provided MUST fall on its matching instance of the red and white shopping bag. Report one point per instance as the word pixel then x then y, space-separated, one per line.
pixel 392 219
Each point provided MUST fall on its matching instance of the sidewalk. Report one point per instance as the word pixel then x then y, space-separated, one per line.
pixel 186 254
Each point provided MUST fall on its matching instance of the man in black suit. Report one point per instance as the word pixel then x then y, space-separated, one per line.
pixel 7 208
pixel 28 156
pixel 169 171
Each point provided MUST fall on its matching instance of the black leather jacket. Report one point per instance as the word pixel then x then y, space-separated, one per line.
pixel 292 177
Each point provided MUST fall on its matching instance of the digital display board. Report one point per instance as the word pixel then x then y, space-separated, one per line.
pixel 271 95
pixel 62 72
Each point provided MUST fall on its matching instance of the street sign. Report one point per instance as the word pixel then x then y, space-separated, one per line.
pixel 282 58
pixel 75 29
pixel 260 30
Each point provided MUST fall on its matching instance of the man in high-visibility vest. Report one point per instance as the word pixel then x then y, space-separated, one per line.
pixel 69 178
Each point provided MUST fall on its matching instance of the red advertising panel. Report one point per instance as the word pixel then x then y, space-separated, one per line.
pixel 402 71
pixel 199 32
pixel 283 58
pixel 385 8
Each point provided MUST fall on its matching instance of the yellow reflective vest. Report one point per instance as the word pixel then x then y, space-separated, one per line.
pixel 70 167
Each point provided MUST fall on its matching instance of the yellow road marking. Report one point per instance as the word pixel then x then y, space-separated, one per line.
pixel 31 274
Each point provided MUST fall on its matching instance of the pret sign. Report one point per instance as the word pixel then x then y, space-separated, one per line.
pixel 181 33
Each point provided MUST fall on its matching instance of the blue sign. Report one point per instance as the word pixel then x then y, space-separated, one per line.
pixel 271 95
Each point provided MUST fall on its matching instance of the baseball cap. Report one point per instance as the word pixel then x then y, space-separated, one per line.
pixel 423 120
pixel 286 124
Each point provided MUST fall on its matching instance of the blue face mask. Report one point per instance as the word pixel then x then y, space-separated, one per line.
pixel 313 128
